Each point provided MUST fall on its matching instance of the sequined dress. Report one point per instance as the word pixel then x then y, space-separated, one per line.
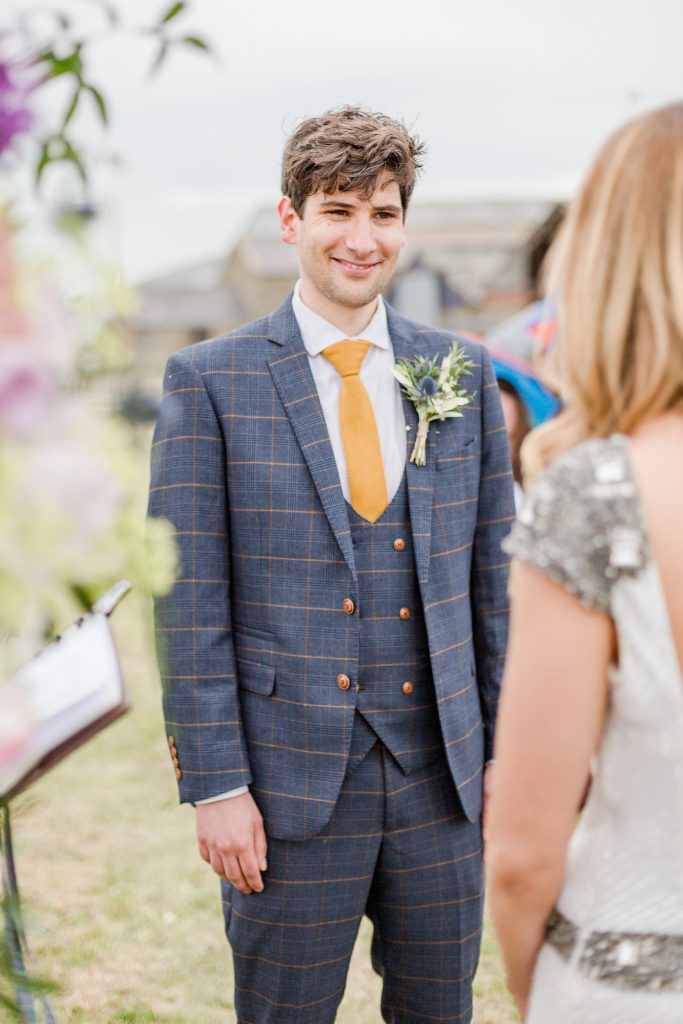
pixel 614 948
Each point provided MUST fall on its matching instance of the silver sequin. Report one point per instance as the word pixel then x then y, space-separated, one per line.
pixel 581 524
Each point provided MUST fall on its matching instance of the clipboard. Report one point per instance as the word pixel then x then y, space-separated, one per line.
pixel 71 690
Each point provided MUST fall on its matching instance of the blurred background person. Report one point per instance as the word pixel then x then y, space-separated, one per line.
pixel 590 915
pixel 527 403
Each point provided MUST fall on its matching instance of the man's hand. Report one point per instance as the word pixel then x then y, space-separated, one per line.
pixel 232 840
pixel 489 772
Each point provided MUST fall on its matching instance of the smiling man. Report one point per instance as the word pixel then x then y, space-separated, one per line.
pixel 332 649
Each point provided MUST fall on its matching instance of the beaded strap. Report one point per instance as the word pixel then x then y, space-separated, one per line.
pixel 627 960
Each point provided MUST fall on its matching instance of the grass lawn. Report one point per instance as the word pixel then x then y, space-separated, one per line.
pixel 121 911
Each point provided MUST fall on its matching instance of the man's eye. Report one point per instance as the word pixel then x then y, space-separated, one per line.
pixel 339 213
pixel 386 215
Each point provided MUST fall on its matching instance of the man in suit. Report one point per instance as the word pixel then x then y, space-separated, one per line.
pixel 332 649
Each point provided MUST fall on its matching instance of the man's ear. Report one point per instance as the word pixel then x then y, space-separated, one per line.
pixel 289 220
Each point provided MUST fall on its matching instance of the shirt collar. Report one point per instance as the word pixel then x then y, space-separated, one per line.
pixel 317 333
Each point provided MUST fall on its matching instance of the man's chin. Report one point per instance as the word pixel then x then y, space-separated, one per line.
pixel 356 297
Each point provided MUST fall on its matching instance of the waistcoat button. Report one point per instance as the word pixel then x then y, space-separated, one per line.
pixel 407 688
pixel 178 773
pixel 348 606
pixel 404 614
pixel 343 682
pixel 399 544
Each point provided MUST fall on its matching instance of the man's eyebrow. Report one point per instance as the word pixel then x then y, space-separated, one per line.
pixel 340 204
pixel 337 203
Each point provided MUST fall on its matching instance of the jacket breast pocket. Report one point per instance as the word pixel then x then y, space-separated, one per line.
pixel 255 677
pixel 457 456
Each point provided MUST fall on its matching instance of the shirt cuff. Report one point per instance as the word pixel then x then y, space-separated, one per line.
pixel 224 796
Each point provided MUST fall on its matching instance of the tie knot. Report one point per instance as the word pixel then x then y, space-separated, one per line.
pixel 347 356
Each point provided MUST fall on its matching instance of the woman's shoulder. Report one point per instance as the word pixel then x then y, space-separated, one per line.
pixel 582 524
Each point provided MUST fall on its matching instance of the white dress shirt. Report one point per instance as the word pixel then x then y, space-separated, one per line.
pixel 382 388
pixel 381 385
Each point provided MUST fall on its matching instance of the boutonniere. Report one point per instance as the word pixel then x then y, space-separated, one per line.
pixel 433 389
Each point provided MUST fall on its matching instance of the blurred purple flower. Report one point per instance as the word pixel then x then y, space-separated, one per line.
pixel 27 389
pixel 15 116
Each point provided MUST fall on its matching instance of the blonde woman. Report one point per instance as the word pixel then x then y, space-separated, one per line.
pixel 585 845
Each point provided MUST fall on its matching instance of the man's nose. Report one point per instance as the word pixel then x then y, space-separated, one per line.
pixel 360 237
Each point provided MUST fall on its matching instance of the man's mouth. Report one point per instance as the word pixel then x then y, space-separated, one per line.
pixel 356 269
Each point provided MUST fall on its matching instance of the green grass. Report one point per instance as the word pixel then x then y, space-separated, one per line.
pixel 121 911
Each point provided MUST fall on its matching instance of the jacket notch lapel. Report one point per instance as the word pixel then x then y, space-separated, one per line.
pixel 294 382
pixel 420 479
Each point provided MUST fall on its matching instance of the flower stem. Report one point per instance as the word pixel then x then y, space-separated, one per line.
pixel 419 456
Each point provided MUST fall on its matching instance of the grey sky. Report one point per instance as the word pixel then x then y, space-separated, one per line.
pixel 512 96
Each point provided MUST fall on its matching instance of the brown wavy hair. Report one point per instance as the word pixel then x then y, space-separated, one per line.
pixel 348 149
pixel 617 269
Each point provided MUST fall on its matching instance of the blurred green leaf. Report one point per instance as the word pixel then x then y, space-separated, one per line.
pixel 172 12
pixel 195 41
pixel 100 101
pixel 159 59
pixel 71 65
pixel 58 149
pixel 43 161
pixel 71 109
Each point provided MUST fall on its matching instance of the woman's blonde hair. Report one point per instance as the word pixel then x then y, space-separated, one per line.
pixel 617 269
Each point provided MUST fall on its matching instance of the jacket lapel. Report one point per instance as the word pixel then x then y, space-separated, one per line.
pixel 293 379
pixel 420 479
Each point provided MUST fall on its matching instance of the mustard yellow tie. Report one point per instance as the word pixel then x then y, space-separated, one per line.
pixel 359 431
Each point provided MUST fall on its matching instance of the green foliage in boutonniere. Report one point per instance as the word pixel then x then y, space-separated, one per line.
pixel 432 387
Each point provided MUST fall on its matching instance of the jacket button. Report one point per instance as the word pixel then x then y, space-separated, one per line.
pixel 348 606
pixel 171 741
pixel 407 688
pixel 343 682
pixel 178 773
pixel 399 544
pixel 404 614
pixel 174 751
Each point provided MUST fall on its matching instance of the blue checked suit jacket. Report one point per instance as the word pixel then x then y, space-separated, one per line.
pixel 253 635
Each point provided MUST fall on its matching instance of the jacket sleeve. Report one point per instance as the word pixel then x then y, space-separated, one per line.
pixel 488 586
pixel 193 622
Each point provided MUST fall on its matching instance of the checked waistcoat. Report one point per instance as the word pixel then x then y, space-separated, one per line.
pixel 396 696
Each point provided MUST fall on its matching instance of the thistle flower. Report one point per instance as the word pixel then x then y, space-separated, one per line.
pixel 427 386
pixel 435 391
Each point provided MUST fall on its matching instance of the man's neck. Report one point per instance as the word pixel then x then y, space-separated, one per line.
pixel 350 321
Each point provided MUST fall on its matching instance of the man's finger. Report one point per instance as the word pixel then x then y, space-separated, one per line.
pixel 234 874
pixel 250 870
pixel 204 851
pixel 261 846
pixel 216 862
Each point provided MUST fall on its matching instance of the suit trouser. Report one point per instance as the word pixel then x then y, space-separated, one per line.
pixel 396 848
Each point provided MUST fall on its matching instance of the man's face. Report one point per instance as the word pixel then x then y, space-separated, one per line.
pixel 348 246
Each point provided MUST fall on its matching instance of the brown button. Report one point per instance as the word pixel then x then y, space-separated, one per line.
pixel 171 741
pixel 178 773
pixel 343 682
pixel 399 544
pixel 357 687
pixel 404 614
pixel 348 606
pixel 174 751
pixel 407 688
pixel 174 758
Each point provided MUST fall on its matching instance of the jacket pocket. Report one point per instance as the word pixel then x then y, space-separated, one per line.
pixel 255 678
pixel 457 456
